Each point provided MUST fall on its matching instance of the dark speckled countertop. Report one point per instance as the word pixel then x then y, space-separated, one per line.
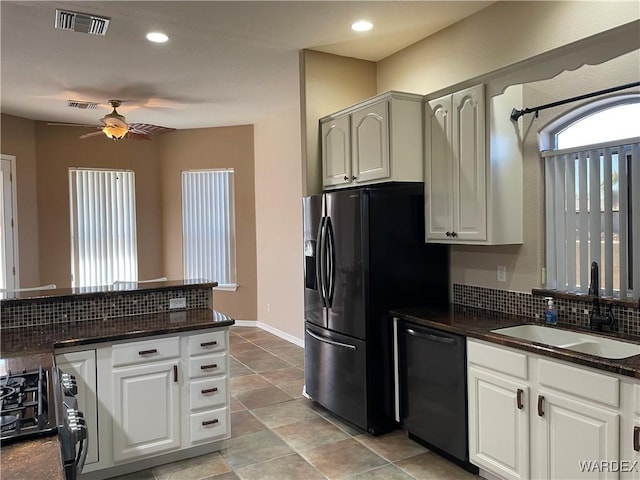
pixel 477 323
pixel 27 348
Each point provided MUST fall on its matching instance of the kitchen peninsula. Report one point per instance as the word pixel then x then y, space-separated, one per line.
pixel 150 361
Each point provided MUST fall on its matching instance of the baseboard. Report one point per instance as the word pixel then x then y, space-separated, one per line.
pixel 268 328
pixel 245 323
pixel 279 333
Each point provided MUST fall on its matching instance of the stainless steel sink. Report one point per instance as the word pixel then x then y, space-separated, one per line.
pixel 576 341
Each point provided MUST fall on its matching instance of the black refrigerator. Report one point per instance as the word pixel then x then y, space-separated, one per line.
pixel 364 254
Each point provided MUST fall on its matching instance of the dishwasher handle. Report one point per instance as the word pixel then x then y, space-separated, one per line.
pixel 431 337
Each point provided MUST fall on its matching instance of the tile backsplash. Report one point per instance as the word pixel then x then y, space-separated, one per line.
pixel 14 314
pixel 573 312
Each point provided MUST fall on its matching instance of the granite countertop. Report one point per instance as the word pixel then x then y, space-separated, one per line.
pixel 478 323
pixel 27 348
pixel 105 290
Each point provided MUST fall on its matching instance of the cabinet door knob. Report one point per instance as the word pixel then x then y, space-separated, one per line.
pixel 540 406
pixel 519 399
pixel 454 234
pixel 636 439
pixel 346 178
pixel 354 178
pixel 448 234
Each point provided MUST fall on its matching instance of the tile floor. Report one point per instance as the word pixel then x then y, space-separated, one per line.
pixel 276 434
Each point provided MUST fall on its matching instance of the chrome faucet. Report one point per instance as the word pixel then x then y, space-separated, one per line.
pixel 597 318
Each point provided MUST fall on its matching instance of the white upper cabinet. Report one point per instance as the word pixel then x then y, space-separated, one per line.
pixel 336 151
pixel 378 140
pixel 473 191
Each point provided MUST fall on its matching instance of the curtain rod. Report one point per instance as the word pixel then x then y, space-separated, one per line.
pixel 516 114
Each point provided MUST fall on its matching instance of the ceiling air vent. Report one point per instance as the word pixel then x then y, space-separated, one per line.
pixel 82 105
pixel 81 22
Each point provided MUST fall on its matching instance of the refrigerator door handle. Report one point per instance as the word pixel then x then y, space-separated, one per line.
pixel 320 263
pixel 330 342
pixel 331 257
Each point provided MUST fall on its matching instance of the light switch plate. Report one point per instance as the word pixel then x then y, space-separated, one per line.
pixel 176 303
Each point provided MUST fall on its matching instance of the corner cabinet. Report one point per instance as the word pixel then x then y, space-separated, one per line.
pixel 473 169
pixel 562 421
pixel 378 140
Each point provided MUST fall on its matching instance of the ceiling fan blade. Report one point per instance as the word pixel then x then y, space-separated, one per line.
pixel 71 125
pixel 148 129
pixel 137 136
pixel 92 134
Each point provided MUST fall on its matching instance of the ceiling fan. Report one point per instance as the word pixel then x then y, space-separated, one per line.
pixel 115 127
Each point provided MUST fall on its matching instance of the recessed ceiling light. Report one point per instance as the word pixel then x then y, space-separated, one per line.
pixel 362 26
pixel 157 37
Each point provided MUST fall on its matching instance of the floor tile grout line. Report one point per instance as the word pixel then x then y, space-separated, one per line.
pixel 339 427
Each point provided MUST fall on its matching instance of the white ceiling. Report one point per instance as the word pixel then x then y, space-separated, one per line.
pixel 226 63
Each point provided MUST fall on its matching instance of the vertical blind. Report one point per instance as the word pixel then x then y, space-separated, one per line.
pixel 103 227
pixel 208 226
pixel 593 214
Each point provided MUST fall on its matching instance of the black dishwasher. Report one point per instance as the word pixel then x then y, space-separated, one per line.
pixel 433 389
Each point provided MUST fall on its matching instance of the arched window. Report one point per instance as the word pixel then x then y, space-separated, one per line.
pixel 592 197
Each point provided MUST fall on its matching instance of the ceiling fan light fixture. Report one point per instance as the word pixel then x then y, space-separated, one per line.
pixel 157 37
pixel 115 132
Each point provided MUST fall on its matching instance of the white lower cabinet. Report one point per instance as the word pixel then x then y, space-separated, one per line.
pixel 156 396
pixel 496 415
pixel 146 413
pixel 533 417
pixel 571 434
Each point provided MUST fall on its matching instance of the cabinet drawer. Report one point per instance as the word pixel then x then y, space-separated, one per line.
pixel 208 365
pixel 580 382
pixel 207 342
pixel 146 351
pixel 498 359
pixel 208 425
pixel 207 393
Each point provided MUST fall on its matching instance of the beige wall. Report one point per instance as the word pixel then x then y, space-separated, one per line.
pixel 45 153
pixel 225 147
pixel 58 149
pixel 18 139
pixel 278 176
pixel 497 36
pixel 329 83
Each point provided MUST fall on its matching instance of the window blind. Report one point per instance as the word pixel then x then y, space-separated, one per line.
pixel 208 226
pixel 592 198
pixel 103 227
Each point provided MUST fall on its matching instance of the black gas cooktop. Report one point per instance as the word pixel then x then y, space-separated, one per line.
pixel 27 405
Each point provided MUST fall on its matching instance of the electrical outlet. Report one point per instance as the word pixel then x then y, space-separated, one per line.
pixel 502 273
pixel 176 303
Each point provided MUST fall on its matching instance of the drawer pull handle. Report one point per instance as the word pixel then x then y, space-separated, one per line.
pixel 207 367
pixel 519 399
pixel 636 439
pixel 175 373
pixel 209 344
pixel 209 390
pixel 209 422
pixel 148 352
pixel 540 406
